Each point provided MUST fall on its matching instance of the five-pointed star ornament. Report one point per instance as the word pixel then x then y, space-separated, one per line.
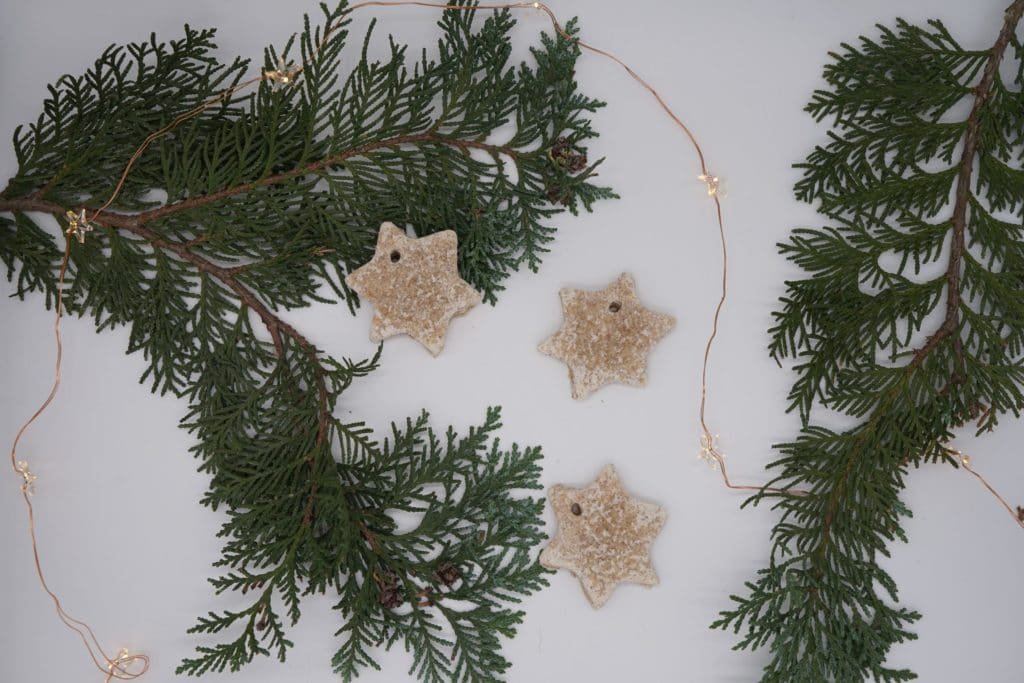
pixel 606 336
pixel 414 285
pixel 604 536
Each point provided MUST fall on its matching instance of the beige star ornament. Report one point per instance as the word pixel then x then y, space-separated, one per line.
pixel 606 336
pixel 604 536
pixel 414 285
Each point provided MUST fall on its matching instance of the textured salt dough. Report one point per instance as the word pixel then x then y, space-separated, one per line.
pixel 601 345
pixel 419 293
pixel 609 541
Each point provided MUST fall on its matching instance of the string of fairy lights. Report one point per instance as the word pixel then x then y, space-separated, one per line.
pixel 126 665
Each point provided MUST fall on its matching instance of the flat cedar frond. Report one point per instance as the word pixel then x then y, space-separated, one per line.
pixel 251 208
pixel 906 183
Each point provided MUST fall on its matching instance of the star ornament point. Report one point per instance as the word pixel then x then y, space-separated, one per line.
pixel 606 336
pixel 604 536
pixel 414 285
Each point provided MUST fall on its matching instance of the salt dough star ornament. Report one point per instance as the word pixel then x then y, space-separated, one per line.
pixel 414 285
pixel 606 336
pixel 604 536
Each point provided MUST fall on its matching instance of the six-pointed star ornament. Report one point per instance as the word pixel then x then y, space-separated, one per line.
pixel 414 285
pixel 606 336
pixel 604 536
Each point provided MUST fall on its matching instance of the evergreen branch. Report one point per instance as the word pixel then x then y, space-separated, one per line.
pixel 132 222
pixel 823 605
pixel 246 210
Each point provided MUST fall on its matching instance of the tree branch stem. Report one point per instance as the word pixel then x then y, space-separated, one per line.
pixel 962 196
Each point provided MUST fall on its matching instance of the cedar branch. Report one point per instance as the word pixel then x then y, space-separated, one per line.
pixel 958 223
pixel 136 224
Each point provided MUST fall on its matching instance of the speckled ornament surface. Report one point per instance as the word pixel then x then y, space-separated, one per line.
pixel 414 285
pixel 604 536
pixel 606 336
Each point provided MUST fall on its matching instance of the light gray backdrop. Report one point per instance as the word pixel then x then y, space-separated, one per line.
pixel 128 547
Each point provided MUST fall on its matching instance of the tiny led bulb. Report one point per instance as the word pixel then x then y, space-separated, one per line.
pixel 712 181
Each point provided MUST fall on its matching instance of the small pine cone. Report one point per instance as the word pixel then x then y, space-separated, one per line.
pixel 576 163
pixel 559 148
pixel 391 597
pixel 387 579
pixel 447 574
pixel 561 152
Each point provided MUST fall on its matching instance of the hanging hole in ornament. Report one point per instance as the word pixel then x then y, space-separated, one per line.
pixel 576 509
pixel 396 256
pixel 615 307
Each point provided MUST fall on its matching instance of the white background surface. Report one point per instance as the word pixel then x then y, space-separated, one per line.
pixel 128 547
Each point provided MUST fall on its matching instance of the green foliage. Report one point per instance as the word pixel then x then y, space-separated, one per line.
pixel 439 585
pixel 263 202
pixel 908 319
pixel 470 546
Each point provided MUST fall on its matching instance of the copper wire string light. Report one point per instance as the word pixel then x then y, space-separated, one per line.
pixel 125 666
pixel 128 666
